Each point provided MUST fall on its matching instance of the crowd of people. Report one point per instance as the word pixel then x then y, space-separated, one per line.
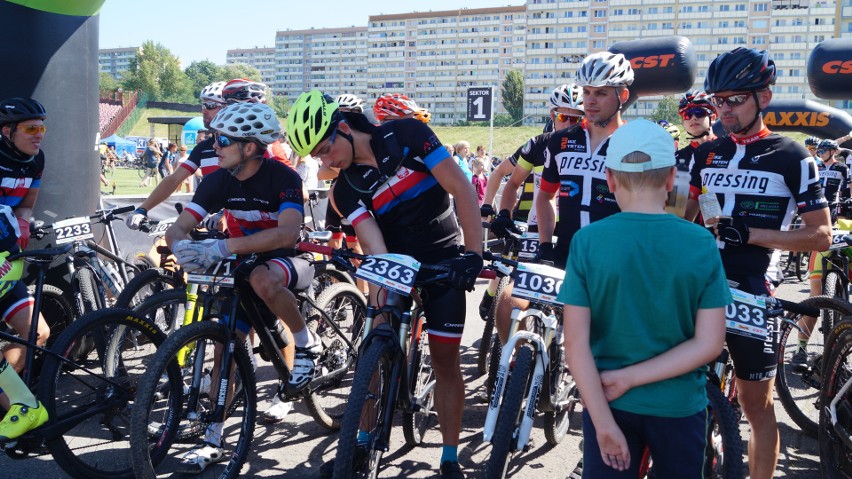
pixel 641 317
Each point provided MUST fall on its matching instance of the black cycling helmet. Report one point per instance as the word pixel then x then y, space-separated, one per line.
pixel 812 141
pixel 827 145
pixel 17 109
pixel 741 69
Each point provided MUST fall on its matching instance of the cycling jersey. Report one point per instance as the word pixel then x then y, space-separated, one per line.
pixel 835 180
pixel 578 175
pixel 17 178
pixel 530 157
pixel 762 179
pixel 683 156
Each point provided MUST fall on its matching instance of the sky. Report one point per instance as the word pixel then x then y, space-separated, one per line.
pixel 197 30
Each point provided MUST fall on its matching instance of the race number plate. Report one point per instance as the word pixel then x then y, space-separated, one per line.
pixel 746 316
pixel 220 274
pixel 537 282
pixel 392 271
pixel 529 246
pixel 160 228
pixel 837 240
pixel 73 229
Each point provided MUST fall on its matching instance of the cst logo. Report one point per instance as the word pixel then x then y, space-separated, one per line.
pixel 838 67
pixel 652 61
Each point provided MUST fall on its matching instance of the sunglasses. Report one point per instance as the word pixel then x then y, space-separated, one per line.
pixel 32 129
pixel 730 100
pixel 225 141
pixel 694 112
pixel 211 105
pixel 820 152
pixel 566 118
pixel 327 147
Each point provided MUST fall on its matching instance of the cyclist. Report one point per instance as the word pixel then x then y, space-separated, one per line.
pixel 574 157
pixel 396 180
pixel 265 197
pixel 811 144
pixel 394 106
pixel 672 130
pixel 760 178
pixel 21 165
pixel 697 116
pixel 566 110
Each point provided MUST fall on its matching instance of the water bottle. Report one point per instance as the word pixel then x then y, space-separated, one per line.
pixel 709 205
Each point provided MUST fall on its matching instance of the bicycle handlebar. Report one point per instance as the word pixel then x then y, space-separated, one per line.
pixel 793 307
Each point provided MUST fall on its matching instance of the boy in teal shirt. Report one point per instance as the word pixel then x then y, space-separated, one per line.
pixel 645 296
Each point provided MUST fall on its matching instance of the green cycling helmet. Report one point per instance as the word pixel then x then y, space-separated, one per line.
pixel 310 120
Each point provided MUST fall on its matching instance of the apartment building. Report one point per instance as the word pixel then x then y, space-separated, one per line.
pixel 116 60
pixel 434 57
pixel 333 60
pixel 262 58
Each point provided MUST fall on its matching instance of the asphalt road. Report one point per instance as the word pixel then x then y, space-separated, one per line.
pixel 297 447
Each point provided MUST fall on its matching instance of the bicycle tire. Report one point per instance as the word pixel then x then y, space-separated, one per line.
pixel 378 358
pixel 86 283
pixel 147 283
pixel 327 275
pixel 482 361
pixel 725 461
pixel 561 388
pixel 326 406
pixel 57 311
pixel 420 373
pixel 166 309
pixel 835 458
pixel 494 360
pixel 802 262
pixel 504 440
pixel 799 393
pixel 68 392
pixel 152 402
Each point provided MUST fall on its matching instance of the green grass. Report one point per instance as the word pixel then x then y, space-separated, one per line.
pixel 127 183
pixel 143 128
pixel 506 139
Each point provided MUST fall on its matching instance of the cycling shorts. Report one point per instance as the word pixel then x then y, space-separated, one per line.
pixel 15 300
pixel 754 359
pixel 443 305
pixel 298 275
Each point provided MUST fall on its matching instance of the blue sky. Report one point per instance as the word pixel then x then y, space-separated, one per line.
pixel 197 30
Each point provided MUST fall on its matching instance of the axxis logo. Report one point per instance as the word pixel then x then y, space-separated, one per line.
pixel 802 118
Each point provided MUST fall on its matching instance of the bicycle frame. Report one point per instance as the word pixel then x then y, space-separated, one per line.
pixel 831 410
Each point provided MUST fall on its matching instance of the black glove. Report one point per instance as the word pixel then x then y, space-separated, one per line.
pixel 464 270
pixel 486 211
pixel 502 224
pixel 732 231
pixel 545 253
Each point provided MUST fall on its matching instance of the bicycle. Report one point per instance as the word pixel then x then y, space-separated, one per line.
pixel 175 402
pixel 539 379
pixel 86 391
pixel 394 365
pixel 835 419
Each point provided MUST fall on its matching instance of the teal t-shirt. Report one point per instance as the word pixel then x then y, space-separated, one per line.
pixel 644 278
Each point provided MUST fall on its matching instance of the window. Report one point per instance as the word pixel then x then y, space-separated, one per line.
pixel 759 24
pixel 600 28
pixel 739 23
pixel 598 44
pixel 722 40
pixel 652 26
pixel 667 26
pixel 652 10
pixel 759 40
pixel 760 7
pixel 703 8
pixel 739 8
pixel 723 24
pixel 600 13
pixel 724 8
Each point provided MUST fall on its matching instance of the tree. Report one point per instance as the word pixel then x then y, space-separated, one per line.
pixel 239 70
pixel 513 95
pixel 667 110
pixel 107 83
pixel 280 104
pixel 156 71
pixel 203 73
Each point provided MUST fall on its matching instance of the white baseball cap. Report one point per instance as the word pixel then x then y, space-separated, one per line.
pixel 640 135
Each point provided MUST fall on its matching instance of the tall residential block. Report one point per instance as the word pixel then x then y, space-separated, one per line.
pixel 261 58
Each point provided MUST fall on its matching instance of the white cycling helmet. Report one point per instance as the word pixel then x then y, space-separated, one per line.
pixel 605 69
pixel 242 90
pixel 253 121
pixel 213 92
pixel 567 96
pixel 350 102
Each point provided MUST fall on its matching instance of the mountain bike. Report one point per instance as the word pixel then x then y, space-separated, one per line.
pixel 835 419
pixel 394 366
pixel 531 376
pixel 87 392
pixel 175 402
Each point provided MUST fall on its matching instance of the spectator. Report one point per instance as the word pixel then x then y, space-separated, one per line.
pixel 166 164
pixel 151 156
pixel 188 183
pixel 462 153
pixel 480 181
pixel 483 155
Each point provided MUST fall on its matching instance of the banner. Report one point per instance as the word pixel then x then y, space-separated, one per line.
pixel 830 69
pixel 661 65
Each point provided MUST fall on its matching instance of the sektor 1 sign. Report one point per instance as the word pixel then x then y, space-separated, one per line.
pixel 479 103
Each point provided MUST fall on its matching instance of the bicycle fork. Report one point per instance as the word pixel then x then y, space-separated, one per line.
pixel 189 316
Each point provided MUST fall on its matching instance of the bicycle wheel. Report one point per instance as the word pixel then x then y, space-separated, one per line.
pixel 88 290
pixel 421 380
pixel 366 405
pixel 725 446
pixel 564 393
pixel 94 443
pixel 493 364
pixel 57 311
pixel 485 349
pixel 163 413
pixel 147 283
pixel 505 438
pixel 326 275
pixel 799 393
pixel 143 172
pixel 835 456
pixel 166 309
pixel 801 265
pixel 347 307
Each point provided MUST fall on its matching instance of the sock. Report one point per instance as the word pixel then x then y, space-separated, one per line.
pixel 363 437
pixel 450 453
pixel 14 386
pixel 302 338
pixel 489 292
pixel 803 344
pixel 213 435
